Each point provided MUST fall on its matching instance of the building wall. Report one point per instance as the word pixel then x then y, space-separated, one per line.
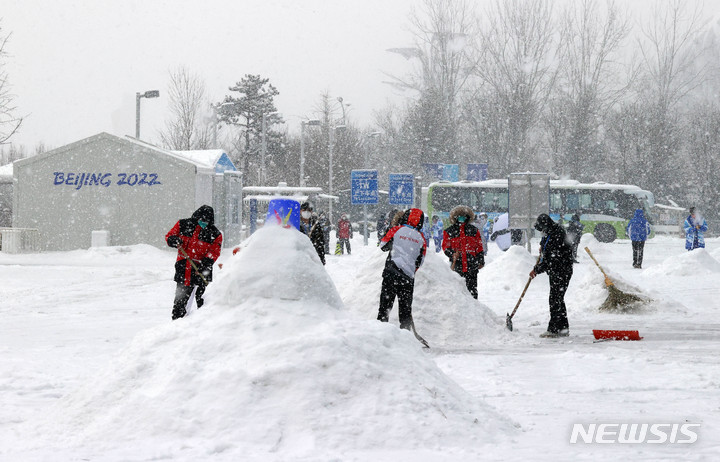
pixel 104 182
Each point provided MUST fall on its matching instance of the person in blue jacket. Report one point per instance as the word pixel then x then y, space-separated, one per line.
pixel 638 229
pixel 695 227
pixel 437 232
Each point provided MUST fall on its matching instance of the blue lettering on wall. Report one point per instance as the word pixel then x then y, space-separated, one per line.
pixel 78 180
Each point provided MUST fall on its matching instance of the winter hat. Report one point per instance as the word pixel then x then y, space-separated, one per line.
pixel 414 218
pixel 306 206
pixel 544 223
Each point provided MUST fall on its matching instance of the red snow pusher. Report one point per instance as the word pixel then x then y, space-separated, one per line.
pixel 617 334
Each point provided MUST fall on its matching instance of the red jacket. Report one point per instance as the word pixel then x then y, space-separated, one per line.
pixel 465 239
pixel 344 229
pixel 201 245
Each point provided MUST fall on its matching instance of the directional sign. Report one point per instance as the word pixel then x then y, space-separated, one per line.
pixel 401 189
pixel 364 187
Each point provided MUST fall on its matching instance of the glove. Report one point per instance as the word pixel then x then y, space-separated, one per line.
pixel 206 263
pixel 174 241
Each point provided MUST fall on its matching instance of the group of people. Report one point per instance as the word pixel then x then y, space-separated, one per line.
pixel 199 244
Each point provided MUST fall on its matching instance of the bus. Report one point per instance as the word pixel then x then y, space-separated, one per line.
pixel 604 208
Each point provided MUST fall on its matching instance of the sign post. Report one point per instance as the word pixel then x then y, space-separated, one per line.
pixel 529 197
pixel 364 190
pixel 402 188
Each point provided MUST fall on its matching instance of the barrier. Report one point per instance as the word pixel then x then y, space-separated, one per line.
pixel 19 240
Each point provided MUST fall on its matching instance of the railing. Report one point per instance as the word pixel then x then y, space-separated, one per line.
pixel 19 240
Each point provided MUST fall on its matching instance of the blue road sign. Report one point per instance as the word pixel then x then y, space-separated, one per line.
pixel 364 187
pixel 401 189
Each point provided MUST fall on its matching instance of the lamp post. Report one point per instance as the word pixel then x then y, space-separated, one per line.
pixel 311 122
pixel 147 94
pixel 331 143
pixel 263 148
pixel 366 164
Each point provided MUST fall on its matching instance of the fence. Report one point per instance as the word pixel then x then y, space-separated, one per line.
pixel 18 240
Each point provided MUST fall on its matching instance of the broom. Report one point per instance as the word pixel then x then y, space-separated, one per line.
pixel 617 299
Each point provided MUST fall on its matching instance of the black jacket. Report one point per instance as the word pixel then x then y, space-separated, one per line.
pixel 556 256
pixel 314 231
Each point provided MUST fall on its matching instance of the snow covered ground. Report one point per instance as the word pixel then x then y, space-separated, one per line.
pixel 286 362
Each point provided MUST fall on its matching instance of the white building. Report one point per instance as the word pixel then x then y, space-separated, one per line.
pixel 132 190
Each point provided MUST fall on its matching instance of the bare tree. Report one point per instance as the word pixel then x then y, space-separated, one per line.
pixel 590 83
pixel 517 70
pixel 9 123
pixel 668 56
pixel 186 95
pixel 444 30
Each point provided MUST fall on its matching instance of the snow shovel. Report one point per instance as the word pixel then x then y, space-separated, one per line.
pixel 193 265
pixel 617 299
pixel 617 334
pixel 508 319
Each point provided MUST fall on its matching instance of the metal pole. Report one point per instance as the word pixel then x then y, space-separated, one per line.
pixel 262 153
pixel 302 153
pixel 137 116
pixel 330 172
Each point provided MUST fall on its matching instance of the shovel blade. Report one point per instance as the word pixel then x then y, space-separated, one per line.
pixel 508 322
pixel 617 334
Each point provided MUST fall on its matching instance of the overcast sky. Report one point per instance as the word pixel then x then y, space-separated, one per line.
pixel 76 65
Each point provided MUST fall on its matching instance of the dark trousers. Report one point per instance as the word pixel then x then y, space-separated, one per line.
pixel 182 297
pixel 558 312
pixel 344 242
pixel 638 247
pixel 470 282
pixel 402 287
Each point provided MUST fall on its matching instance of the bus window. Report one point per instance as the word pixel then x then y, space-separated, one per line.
pixel 494 201
pixel 556 202
pixel 445 199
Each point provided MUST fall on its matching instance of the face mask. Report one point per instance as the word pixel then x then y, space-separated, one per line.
pixel 305 214
pixel 203 224
pixel 461 219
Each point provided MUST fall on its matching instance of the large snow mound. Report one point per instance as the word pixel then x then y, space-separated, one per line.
pixel 273 364
pixel 690 264
pixel 444 312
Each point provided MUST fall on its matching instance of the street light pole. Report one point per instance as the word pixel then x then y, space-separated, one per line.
pixel 312 122
pixel 262 152
pixel 147 94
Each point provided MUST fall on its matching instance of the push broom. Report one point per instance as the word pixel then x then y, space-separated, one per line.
pixel 617 299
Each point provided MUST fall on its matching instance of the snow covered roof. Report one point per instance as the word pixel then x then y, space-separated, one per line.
pixel 6 172
pixel 216 159
pixel 281 189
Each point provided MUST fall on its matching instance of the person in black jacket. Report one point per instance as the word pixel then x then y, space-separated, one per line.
pixel 574 232
pixel 310 227
pixel 556 259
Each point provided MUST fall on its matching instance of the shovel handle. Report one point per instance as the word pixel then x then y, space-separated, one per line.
pixel 517 305
pixel 193 265
pixel 608 282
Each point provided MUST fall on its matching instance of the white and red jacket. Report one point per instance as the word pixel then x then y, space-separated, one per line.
pixel 406 244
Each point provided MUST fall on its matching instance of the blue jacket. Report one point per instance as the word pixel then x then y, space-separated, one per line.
pixel 638 228
pixel 694 230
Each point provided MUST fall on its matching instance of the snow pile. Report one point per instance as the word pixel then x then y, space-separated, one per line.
pixel 689 264
pixel 444 312
pixel 273 364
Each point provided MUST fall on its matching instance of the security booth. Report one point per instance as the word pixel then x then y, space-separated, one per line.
pixel 6 195
pixel 529 196
pixel 110 190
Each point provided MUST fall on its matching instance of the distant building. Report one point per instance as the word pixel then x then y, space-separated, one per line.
pixel 6 195
pixel 131 189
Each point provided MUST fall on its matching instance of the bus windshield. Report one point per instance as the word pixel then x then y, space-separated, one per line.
pixel 490 200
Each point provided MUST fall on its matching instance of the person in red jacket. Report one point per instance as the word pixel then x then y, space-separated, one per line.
pixel 406 246
pixel 344 233
pixel 462 243
pixel 199 243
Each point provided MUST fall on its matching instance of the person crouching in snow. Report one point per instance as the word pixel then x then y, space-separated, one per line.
pixel 199 244
pixel 406 246
pixel 695 228
pixel 556 259
pixel 462 243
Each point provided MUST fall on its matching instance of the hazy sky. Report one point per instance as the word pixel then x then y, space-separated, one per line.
pixel 75 65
